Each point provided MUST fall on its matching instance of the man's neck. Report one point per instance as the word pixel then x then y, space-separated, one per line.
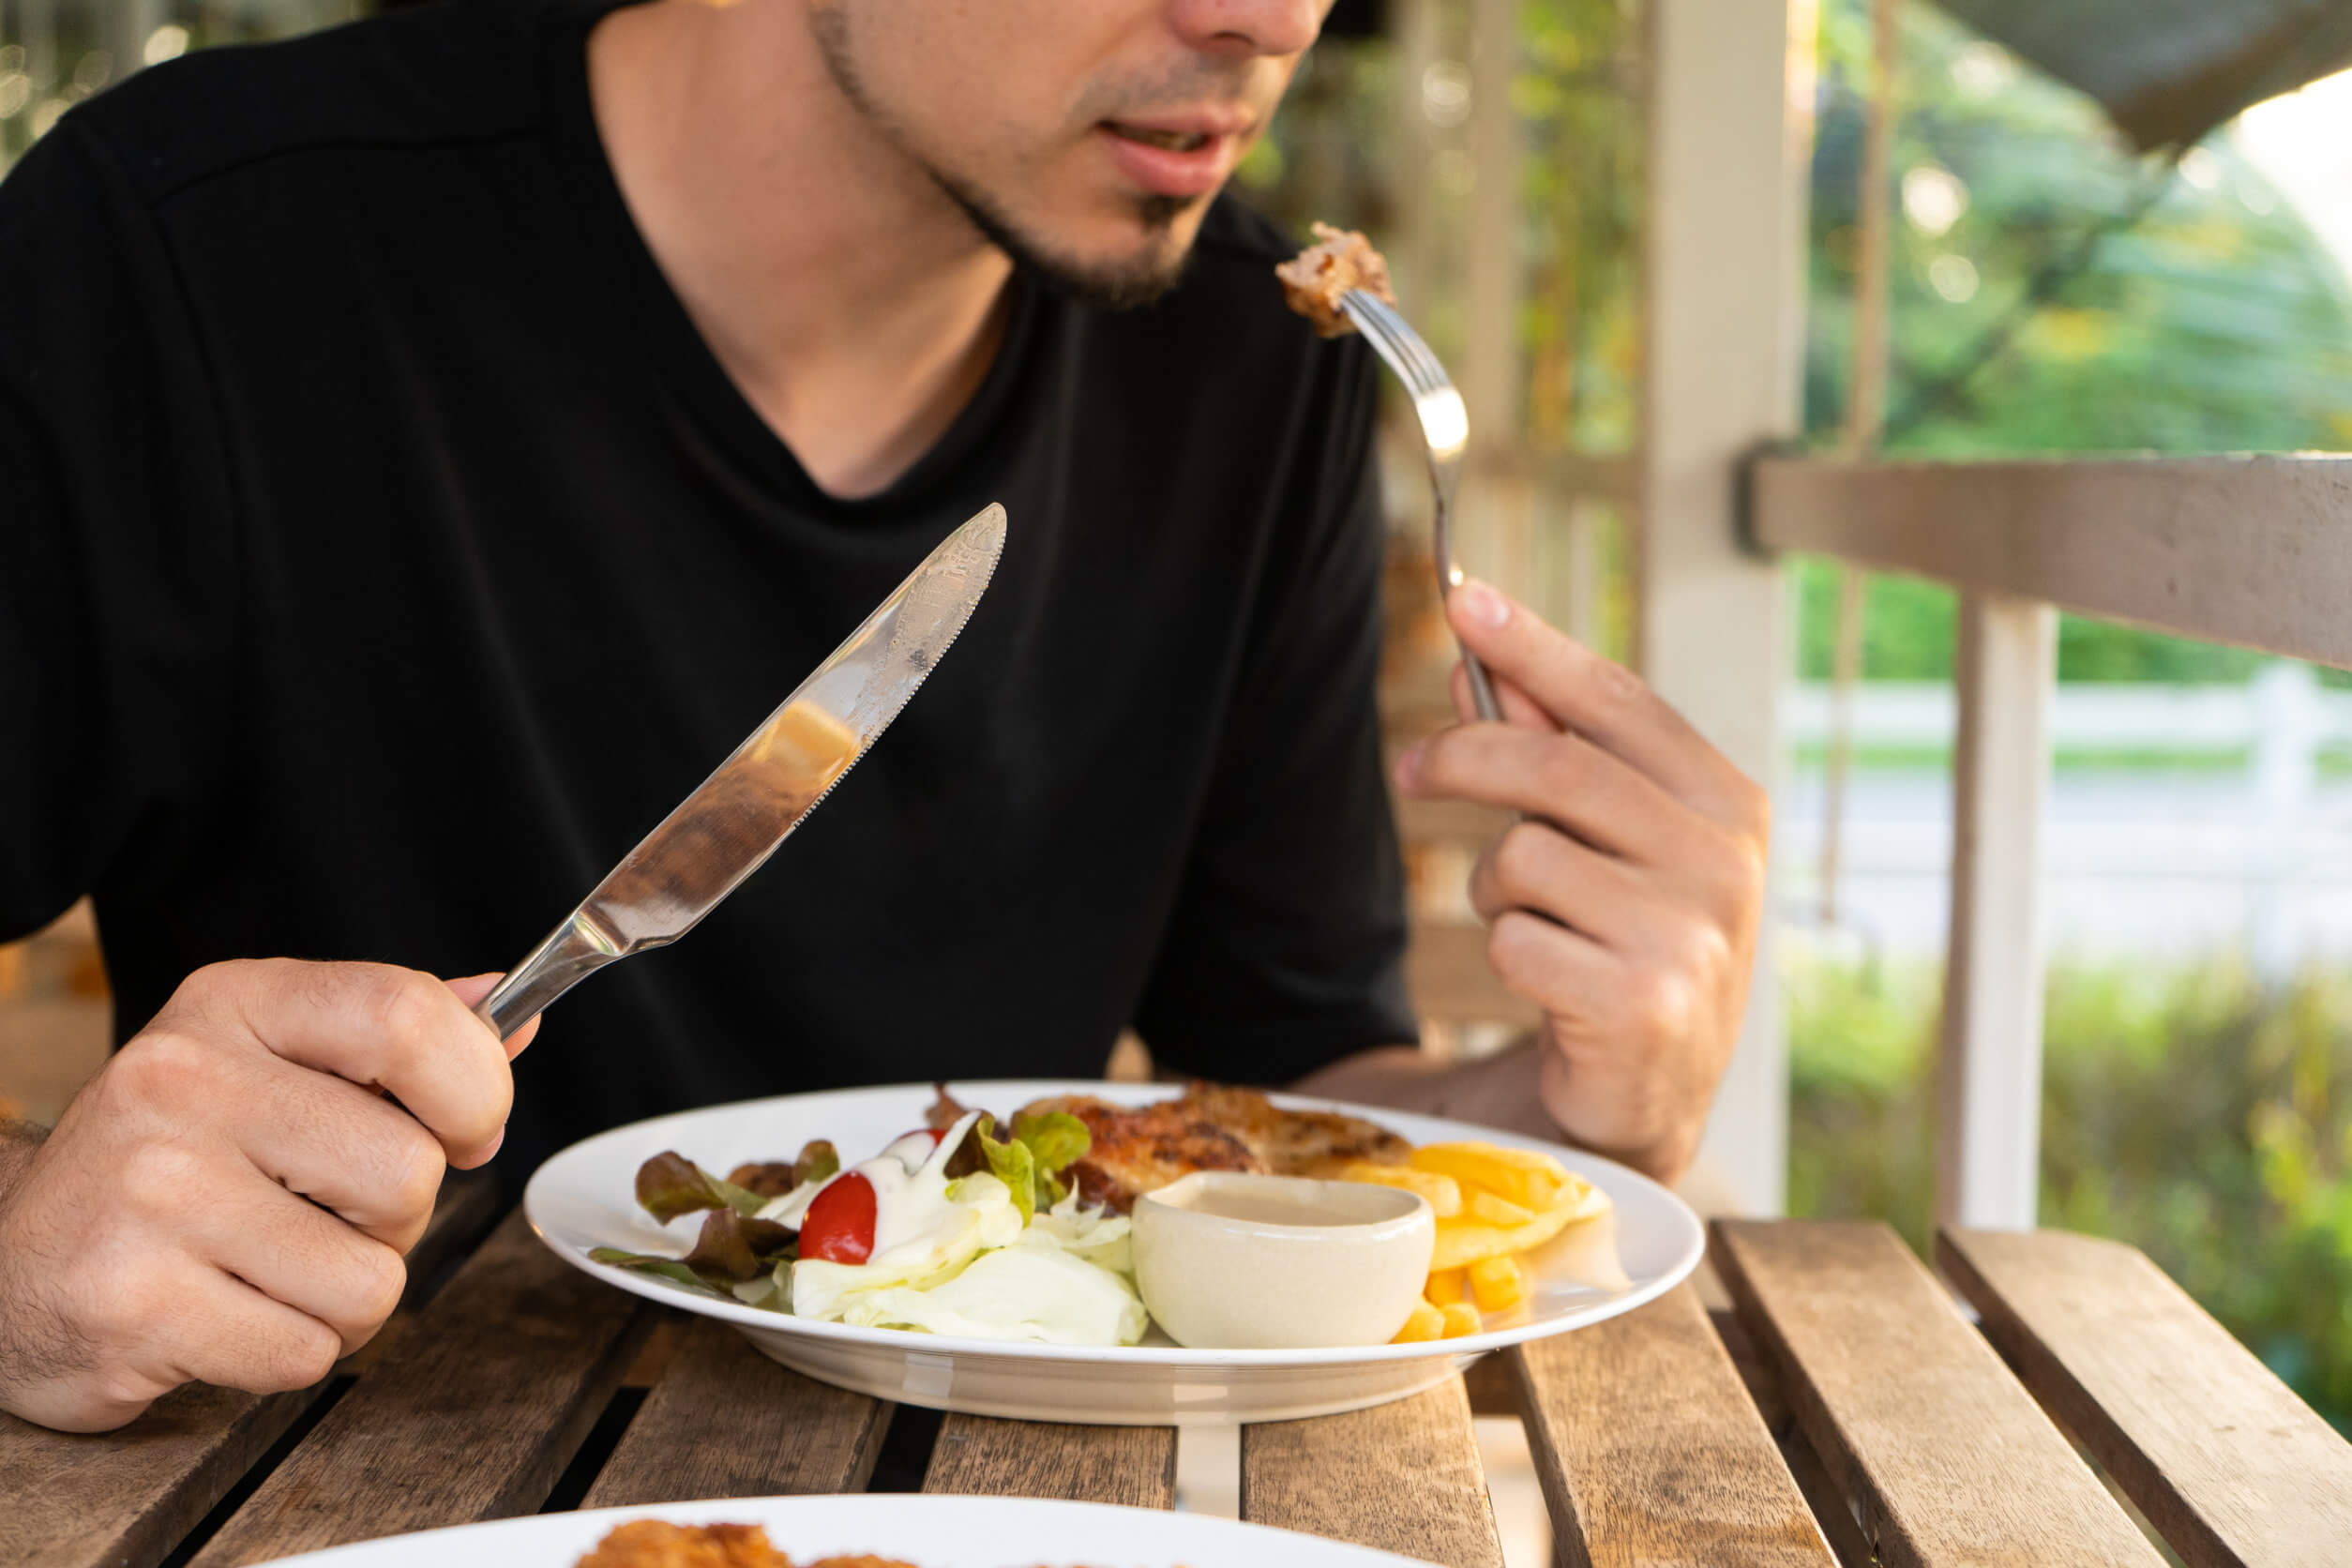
pixel 850 300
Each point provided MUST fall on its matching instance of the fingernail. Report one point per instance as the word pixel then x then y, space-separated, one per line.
pixel 1409 766
pixel 1483 605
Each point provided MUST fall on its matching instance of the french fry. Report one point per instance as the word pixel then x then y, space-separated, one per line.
pixel 1443 1193
pixel 1497 1284
pixel 1520 1176
pixel 1460 1319
pixel 1446 1287
pixel 1496 1211
pixel 1463 1241
pixel 1426 1323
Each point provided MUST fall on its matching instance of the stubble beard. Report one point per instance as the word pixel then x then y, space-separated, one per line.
pixel 1123 285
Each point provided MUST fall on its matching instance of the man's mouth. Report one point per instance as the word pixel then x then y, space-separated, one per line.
pixel 1174 141
pixel 1187 154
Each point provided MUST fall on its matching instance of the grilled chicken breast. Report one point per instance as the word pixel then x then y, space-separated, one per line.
pixel 1293 1142
pixel 1136 1150
pixel 1211 1127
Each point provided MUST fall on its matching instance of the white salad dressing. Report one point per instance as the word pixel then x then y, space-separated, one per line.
pixel 955 1256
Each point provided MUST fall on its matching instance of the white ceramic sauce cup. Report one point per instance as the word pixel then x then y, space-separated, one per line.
pixel 1231 1261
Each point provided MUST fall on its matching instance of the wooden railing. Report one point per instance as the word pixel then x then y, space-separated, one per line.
pixel 2246 550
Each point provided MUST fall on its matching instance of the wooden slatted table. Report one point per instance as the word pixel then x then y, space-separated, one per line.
pixel 1849 1411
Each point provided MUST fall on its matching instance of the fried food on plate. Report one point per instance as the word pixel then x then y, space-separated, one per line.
pixel 653 1543
pixel 1141 1148
pixel 1494 1206
pixel 1295 1142
pixel 1315 279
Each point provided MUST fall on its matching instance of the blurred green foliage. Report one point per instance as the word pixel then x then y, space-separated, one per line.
pixel 2186 1110
pixel 2053 293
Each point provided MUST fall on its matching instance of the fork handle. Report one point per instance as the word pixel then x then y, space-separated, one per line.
pixel 1482 687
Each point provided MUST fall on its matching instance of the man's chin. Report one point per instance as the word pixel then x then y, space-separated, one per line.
pixel 1135 265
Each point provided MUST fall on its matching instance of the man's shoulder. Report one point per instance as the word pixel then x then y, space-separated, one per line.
pixel 452 72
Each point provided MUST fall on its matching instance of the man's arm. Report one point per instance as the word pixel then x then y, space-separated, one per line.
pixel 1625 903
pixel 18 1139
pixel 1498 1090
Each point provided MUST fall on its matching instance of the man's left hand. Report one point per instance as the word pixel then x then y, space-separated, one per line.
pixel 1626 904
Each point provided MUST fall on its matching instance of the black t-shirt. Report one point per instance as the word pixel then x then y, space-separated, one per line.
pixel 383 552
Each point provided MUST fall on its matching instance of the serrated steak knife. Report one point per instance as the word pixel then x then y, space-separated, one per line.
pixel 721 832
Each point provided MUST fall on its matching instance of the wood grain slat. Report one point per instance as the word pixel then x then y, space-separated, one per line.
pixel 1403 1477
pixel 977 1456
pixel 1946 1458
pixel 724 1421
pixel 125 1498
pixel 472 1416
pixel 1651 1451
pixel 2229 1464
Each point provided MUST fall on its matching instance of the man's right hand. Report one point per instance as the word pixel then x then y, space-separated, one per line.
pixel 230 1199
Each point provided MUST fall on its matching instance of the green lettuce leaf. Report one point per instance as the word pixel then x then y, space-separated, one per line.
pixel 1057 1138
pixel 645 1262
pixel 670 1185
pixel 1030 1162
pixel 819 1162
pixel 1012 1163
pixel 735 1248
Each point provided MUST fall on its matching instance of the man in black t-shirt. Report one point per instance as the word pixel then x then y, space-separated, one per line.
pixel 430 446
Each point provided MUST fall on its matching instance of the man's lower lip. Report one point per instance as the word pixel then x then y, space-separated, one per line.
pixel 1164 170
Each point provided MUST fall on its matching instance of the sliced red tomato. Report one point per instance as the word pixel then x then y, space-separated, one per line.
pixel 840 1225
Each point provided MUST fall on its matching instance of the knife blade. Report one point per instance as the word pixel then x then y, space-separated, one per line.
pixel 723 832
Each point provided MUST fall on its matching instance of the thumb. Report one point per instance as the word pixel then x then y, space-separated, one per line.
pixel 471 990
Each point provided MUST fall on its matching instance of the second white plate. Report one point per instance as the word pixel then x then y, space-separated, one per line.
pixel 584 1197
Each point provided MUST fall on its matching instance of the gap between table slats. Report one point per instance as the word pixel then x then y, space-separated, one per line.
pixel 1402 1477
pixel 1651 1451
pixel 1947 1460
pixel 2229 1464
pixel 724 1421
pixel 977 1456
pixel 1831 1511
pixel 126 1499
pixel 471 1415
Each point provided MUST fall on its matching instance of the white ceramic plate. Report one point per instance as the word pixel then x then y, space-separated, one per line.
pixel 927 1531
pixel 586 1197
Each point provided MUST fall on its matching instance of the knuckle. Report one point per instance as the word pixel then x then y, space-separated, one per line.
pixel 162 1177
pixel 1520 858
pixel 206 985
pixel 1736 878
pixel 164 1067
pixel 401 1008
pixel 301 1356
pixel 1441 761
pixel 416 1165
pixel 1616 687
pixel 1665 1005
pixel 381 1277
pixel 1509 947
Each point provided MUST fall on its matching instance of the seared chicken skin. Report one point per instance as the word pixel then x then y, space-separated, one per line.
pixel 1211 1128
pixel 1136 1151
pixel 1293 1142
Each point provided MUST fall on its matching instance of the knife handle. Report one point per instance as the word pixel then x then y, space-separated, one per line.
pixel 571 953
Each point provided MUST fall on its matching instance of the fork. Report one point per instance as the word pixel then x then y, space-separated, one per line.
pixel 1445 426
